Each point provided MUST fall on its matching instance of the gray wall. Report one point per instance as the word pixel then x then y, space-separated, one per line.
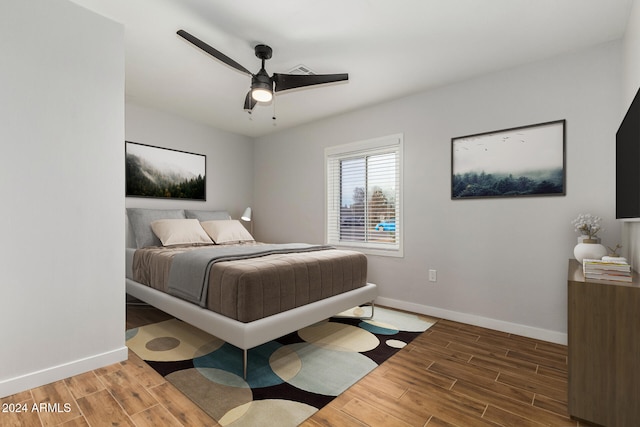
pixel 502 262
pixel 229 158
pixel 62 175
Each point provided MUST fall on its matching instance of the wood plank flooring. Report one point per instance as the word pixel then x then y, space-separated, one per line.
pixel 452 375
pixel 459 375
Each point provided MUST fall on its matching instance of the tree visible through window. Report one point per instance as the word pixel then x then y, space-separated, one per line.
pixel 363 194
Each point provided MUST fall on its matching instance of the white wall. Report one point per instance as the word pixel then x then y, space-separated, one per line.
pixel 631 83
pixel 62 180
pixel 501 263
pixel 229 158
pixel 631 57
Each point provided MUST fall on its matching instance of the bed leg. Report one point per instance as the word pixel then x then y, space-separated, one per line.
pixel 244 364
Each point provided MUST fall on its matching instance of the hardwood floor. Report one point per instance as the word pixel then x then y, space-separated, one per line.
pixel 452 375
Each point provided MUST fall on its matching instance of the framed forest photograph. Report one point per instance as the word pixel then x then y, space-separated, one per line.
pixel 516 162
pixel 164 173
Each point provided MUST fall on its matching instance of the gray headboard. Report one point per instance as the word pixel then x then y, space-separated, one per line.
pixel 138 223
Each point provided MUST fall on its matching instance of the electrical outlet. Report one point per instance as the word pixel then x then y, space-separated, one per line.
pixel 433 275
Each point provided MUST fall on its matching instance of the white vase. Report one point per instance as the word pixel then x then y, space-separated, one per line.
pixel 589 248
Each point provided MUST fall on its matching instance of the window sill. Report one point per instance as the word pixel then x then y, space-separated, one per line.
pixel 395 253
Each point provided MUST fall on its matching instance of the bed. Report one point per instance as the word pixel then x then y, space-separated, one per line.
pixel 216 279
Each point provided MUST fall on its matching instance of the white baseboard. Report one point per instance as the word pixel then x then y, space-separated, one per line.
pixel 55 373
pixel 471 319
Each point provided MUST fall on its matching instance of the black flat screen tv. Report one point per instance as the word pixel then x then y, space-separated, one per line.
pixel 628 163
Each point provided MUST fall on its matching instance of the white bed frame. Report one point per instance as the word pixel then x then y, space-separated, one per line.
pixel 252 334
pixel 248 335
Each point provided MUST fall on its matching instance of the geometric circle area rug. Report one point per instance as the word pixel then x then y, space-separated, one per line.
pixel 288 379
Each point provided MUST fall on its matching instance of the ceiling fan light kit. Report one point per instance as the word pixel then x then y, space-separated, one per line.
pixel 261 94
pixel 263 86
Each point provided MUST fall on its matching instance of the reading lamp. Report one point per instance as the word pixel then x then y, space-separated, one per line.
pixel 246 216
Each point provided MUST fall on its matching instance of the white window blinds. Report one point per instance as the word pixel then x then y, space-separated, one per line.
pixel 364 200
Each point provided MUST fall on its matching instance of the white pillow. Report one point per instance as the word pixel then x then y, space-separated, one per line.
pixel 179 232
pixel 227 231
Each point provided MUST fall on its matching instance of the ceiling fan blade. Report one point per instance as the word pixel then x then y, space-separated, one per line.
pixel 211 51
pixel 292 81
pixel 249 102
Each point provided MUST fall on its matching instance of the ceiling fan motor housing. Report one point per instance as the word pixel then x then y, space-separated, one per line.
pixel 262 79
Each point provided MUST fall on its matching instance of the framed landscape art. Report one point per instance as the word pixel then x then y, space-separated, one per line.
pixel 164 173
pixel 516 162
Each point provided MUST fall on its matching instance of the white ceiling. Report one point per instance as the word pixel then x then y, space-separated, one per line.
pixel 389 48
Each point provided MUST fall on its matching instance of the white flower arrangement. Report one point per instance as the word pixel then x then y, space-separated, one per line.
pixel 587 225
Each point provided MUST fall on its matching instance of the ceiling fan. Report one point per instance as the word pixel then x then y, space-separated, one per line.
pixel 263 86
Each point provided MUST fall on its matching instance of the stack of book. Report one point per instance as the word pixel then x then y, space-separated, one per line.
pixel 607 268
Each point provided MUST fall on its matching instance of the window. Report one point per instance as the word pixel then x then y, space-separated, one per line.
pixel 364 197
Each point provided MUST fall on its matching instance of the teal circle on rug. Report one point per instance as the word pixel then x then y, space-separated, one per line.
pixel 375 329
pixel 325 371
pixel 229 358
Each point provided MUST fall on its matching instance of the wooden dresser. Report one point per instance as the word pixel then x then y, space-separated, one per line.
pixel 604 349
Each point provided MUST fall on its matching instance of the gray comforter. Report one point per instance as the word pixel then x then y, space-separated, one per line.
pixel 189 272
